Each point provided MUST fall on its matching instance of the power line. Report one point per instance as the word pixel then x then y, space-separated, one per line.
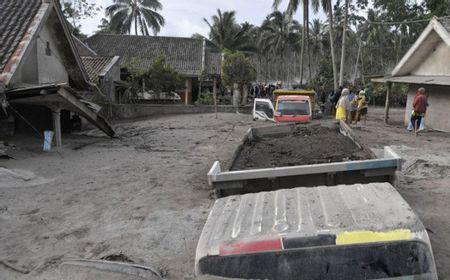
pixel 403 22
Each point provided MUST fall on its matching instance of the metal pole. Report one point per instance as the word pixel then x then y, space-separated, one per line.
pixel 215 96
pixel 186 92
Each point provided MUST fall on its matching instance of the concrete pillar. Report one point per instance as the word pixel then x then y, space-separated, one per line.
pixel 186 92
pixel 56 112
pixel 386 107
pixel 236 95
pixel 215 95
pixel 244 94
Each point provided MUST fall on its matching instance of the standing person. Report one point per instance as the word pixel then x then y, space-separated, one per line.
pixel 422 122
pixel 342 105
pixel 257 91
pixel 334 98
pixel 419 109
pixel 362 108
pixel 352 106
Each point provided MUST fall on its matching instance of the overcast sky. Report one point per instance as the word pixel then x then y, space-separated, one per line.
pixel 185 17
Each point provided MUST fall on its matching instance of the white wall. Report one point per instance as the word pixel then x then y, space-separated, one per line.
pixel 50 67
pixel 28 73
pixel 437 62
pixel 438 112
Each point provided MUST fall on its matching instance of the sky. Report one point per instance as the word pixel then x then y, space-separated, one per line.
pixel 185 17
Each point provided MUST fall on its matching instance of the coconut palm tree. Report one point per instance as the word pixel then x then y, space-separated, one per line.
pixel 280 33
pixel 291 9
pixel 327 6
pixel 344 37
pixel 142 14
pixel 226 33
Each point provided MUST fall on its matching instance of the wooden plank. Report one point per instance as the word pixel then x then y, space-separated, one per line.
pixel 387 105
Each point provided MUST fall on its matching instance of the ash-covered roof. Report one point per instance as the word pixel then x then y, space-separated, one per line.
pixel 213 63
pixel 183 54
pixel 94 65
pixel 16 16
pixel 445 22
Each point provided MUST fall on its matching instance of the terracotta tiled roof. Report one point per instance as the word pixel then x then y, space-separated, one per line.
pixel 16 16
pixel 94 65
pixel 183 54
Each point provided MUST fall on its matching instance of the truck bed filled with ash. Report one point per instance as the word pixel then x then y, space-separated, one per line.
pixel 306 145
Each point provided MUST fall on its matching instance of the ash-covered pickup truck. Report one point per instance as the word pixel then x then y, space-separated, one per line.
pixel 363 231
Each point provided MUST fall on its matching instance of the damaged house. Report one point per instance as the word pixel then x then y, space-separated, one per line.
pixel 42 75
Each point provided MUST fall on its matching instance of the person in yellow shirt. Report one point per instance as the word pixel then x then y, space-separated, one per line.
pixel 363 107
pixel 342 105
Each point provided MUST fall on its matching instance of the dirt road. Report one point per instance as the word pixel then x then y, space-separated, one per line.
pixel 144 195
pixel 425 179
pixel 145 198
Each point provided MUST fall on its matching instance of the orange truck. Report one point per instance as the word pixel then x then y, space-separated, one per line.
pixel 290 106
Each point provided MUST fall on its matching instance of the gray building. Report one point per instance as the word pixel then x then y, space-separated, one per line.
pixel 190 57
pixel 427 64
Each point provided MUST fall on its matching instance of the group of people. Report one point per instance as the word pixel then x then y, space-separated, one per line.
pixel 263 91
pixel 351 107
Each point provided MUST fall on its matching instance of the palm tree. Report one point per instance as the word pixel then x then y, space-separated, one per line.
pixel 225 33
pixel 140 13
pixel 279 34
pixel 291 9
pixel 316 42
pixel 327 6
pixel 344 32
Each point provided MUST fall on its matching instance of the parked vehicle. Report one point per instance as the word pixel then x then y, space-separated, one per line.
pixel 289 108
pixel 297 92
pixel 342 232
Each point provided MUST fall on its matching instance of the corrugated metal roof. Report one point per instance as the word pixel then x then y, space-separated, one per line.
pixel 420 80
pixel 16 17
pixel 305 212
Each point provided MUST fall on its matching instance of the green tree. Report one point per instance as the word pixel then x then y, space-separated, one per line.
pixel 104 27
pixel 237 72
pixel 226 34
pixel 291 9
pixel 142 14
pixel 76 10
pixel 279 35
pixel 162 78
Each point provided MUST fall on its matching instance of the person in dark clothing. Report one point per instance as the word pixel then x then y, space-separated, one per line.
pixel 334 98
pixel 257 91
pixel 419 109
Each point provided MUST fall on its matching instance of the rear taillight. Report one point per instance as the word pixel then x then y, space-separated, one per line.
pixel 251 247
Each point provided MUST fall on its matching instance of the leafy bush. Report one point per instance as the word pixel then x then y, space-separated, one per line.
pixel 377 93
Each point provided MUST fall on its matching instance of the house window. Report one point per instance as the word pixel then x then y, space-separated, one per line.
pixel 48 51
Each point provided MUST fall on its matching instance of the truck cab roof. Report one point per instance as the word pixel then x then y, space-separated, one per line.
pixel 293 98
